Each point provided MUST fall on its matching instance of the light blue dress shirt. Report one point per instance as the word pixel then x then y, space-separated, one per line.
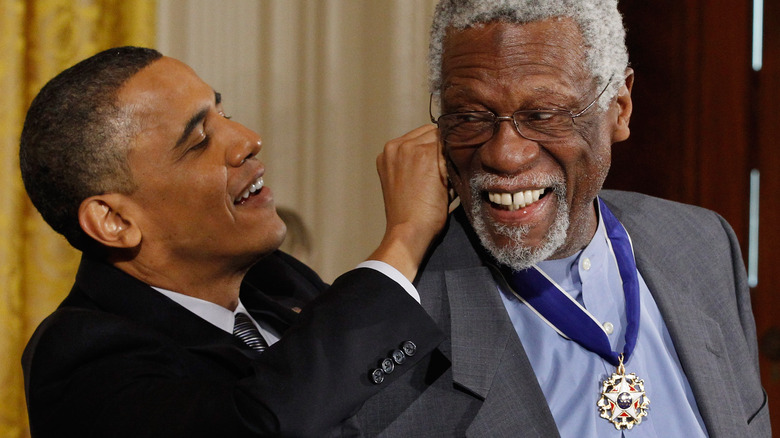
pixel 571 377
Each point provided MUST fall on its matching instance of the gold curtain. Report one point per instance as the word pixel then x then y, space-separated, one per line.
pixel 38 39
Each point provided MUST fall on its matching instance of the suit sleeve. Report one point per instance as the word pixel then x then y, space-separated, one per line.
pixel 348 331
pixel 93 375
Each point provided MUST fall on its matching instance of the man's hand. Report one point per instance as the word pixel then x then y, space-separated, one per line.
pixel 414 184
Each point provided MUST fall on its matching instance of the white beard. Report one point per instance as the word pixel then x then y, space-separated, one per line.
pixel 516 255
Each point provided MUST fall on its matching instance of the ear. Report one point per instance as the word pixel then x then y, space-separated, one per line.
pixel 104 218
pixel 624 107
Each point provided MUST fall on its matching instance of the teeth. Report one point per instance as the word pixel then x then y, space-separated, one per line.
pixel 253 188
pixel 515 201
pixel 257 185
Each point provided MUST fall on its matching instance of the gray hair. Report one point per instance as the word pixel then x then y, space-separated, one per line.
pixel 599 21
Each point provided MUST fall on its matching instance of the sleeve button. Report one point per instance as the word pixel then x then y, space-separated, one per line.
pixel 387 366
pixel 377 376
pixel 409 348
pixel 399 357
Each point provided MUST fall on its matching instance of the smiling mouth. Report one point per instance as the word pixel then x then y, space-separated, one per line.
pixel 250 191
pixel 512 201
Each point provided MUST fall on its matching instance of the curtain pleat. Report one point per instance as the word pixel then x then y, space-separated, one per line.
pixel 38 39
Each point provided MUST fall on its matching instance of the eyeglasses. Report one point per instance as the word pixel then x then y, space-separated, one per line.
pixel 477 127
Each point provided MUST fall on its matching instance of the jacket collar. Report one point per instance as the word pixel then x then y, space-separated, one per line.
pixel 134 299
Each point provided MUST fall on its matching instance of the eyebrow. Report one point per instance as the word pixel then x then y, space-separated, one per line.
pixel 195 120
pixel 468 92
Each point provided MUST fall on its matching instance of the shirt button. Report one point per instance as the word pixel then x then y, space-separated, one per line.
pixel 586 264
pixel 609 328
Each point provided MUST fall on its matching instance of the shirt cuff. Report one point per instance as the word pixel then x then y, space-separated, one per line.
pixel 394 275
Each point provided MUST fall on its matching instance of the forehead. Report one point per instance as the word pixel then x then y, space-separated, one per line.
pixel 543 53
pixel 165 89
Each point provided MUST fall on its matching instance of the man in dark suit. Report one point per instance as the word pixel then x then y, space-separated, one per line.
pixel 569 311
pixel 131 157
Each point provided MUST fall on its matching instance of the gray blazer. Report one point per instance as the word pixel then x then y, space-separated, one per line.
pixel 480 383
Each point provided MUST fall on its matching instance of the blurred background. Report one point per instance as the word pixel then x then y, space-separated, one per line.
pixel 327 82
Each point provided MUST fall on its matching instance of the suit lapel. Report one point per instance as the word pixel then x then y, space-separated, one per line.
pixel 460 294
pixel 488 359
pixel 480 329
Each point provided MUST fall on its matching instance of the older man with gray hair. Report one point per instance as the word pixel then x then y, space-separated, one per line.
pixel 569 310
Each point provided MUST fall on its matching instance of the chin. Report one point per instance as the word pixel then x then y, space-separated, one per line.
pixel 275 236
pixel 268 239
pixel 509 244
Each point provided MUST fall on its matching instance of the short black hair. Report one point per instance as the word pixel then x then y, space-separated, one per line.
pixel 75 139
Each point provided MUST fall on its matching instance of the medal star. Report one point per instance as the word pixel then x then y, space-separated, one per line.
pixel 623 401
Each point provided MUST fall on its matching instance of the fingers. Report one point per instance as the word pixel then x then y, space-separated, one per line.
pixel 421 131
pixel 413 174
pixel 424 136
pixel 414 154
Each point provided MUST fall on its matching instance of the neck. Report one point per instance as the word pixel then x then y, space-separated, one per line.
pixel 579 234
pixel 209 283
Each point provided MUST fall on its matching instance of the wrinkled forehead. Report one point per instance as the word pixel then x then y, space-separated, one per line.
pixel 503 52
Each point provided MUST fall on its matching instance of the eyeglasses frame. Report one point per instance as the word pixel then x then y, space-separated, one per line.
pixel 499 119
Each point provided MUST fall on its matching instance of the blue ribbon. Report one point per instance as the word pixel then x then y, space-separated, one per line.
pixel 563 313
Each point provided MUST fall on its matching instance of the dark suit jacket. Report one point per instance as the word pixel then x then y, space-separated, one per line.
pixel 120 359
pixel 480 383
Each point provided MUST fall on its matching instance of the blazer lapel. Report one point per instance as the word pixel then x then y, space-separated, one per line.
pixel 488 360
pixel 480 329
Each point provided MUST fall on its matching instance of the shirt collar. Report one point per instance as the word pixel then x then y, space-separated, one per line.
pixel 211 312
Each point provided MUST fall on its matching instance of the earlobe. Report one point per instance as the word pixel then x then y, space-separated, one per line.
pixel 102 219
pixel 624 107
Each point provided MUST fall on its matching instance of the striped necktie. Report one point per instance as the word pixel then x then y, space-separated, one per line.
pixel 245 330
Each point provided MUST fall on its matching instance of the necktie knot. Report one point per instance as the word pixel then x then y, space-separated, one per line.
pixel 246 330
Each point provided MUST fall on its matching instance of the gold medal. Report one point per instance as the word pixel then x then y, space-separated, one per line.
pixel 623 400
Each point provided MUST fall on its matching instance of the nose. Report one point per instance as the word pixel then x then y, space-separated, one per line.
pixel 507 152
pixel 244 144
